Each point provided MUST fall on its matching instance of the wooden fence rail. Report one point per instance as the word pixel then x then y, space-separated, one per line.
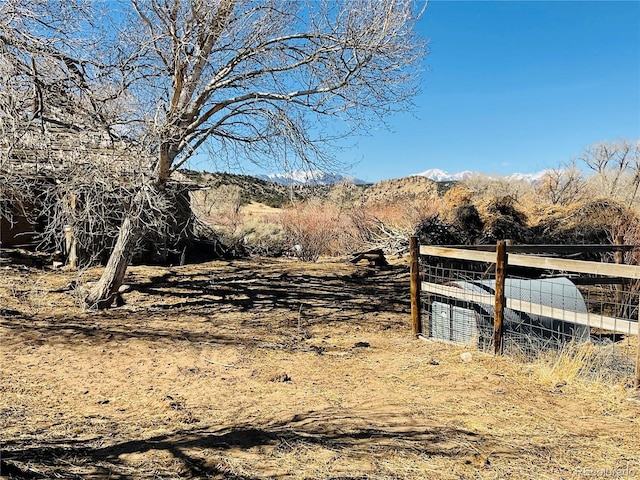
pixel 501 257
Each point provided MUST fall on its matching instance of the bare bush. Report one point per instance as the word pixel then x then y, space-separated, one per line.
pixel 325 227
pixel 563 186
pixel 312 226
pixel 482 186
pixel 389 224
pixel 457 196
pixel 264 237
pixel 616 167
pixel 405 215
pixel 220 208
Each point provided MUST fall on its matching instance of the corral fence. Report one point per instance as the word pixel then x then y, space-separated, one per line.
pixel 528 299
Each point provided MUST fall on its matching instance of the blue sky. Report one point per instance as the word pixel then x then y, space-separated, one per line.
pixel 511 86
pixel 514 86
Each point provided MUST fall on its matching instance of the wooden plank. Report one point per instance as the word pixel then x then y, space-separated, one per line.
pixel 593 280
pixel 457 253
pixel 499 303
pixel 602 322
pixel 579 266
pixel 547 248
pixel 374 255
pixel 416 321
pixel 457 293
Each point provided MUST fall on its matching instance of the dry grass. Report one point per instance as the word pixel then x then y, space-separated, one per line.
pixel 261 212
pixel 604 364
pixel 404 214
pixel 282 369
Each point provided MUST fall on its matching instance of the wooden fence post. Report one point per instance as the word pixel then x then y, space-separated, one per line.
pixel 619 259
pixel 416 321
pixel 498 310
pixel 638 352
pixel 70 247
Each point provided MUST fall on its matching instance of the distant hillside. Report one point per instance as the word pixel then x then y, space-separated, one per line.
pixel 407 188
pixel 275 190
pixel 252 189
pixel 275 194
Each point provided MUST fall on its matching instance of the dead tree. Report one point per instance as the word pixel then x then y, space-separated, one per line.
pixel 245 78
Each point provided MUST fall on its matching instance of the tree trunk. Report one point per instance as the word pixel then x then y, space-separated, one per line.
pixel 103 293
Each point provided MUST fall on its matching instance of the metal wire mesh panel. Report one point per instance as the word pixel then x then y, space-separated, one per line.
pixel 455 324
pixel 459 320
pixel 546 310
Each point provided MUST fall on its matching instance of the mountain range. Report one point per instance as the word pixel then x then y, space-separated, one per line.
pixel 438 175
pixel 319 177
pixel 310 177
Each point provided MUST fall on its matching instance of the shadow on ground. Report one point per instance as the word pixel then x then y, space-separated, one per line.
pixel 156 306
pixel 369 290
pixel 197 453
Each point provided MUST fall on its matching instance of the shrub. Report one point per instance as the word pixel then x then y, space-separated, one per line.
pixel 457 196
pixel 313 226
pixel 466 220
pixel 403 214
pixel 434 231
pixel 264 237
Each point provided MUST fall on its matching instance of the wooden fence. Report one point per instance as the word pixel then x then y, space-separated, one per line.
pixel 504 256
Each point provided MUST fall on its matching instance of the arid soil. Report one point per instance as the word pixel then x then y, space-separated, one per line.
pixel 265 369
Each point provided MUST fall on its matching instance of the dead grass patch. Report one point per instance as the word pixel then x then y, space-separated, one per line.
pixel 280 369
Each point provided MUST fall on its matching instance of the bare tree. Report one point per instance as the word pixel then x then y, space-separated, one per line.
pixel 490 187
pixel 250 78
pixel 563 186
pixel 617 168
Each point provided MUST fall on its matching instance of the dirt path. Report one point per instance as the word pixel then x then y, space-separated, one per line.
pixel 279 369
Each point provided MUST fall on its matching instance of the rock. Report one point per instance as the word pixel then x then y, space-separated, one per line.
pixel 466 357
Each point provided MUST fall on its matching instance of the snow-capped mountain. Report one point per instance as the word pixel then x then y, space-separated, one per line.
pixel 310 177
pixel 319 177
pixel 438 175
pixel 528 177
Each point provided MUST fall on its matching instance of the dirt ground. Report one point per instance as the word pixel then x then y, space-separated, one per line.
pixel 278 369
